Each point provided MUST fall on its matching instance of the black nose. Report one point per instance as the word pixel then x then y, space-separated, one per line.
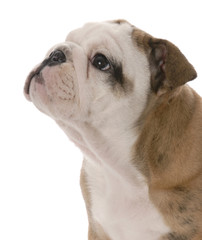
pixel 56 57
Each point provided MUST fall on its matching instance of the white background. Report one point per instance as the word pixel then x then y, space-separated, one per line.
pixel 39 168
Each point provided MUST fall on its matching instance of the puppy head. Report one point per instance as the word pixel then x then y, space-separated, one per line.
pixel 104 69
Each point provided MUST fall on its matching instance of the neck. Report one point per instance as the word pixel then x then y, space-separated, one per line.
pixel 108 144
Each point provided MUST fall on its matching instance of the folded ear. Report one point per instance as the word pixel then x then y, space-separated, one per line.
pixel 169 67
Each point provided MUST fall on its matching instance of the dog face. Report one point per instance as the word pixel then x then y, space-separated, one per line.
pixel 97 72
pixel 100 70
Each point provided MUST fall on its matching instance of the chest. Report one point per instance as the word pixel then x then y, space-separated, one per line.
pixel 123 209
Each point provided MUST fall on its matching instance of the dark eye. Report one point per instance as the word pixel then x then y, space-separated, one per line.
pixel 101 62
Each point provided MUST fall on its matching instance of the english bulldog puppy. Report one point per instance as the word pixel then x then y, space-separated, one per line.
pixel 121 96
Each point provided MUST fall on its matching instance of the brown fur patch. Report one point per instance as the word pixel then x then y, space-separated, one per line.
pixel 119 21
pixel 169 154
pixel 119 82
pixel 169 67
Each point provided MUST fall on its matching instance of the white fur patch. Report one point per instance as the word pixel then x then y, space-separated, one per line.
pixel 122 207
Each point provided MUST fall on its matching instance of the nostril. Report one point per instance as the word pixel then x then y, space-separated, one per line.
pixel 56 57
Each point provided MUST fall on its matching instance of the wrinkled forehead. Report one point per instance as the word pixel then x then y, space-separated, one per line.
pixel 101 33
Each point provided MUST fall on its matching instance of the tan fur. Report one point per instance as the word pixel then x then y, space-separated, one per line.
pixel 169 151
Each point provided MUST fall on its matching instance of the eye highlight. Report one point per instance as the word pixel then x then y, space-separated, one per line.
pixel 101 62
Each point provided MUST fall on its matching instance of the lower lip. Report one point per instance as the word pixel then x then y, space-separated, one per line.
pixel 26 90
pixel 27 85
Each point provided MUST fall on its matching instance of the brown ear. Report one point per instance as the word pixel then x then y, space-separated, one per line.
pixel 169 67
